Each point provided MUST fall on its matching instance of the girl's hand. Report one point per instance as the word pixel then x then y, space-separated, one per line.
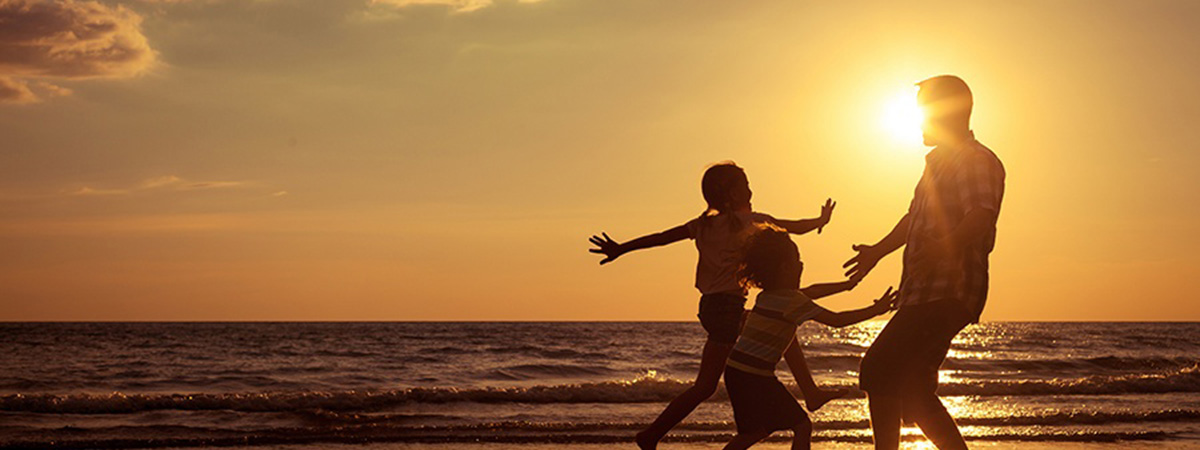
pixel 826 213
pixel 606 246
pixel 887 302
pixel 851 284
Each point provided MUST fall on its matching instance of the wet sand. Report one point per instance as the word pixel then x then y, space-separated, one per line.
pixel 987 445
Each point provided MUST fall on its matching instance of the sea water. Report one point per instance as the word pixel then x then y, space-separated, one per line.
pixel 547 384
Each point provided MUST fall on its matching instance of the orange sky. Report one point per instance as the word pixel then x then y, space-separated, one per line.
pixel 447 159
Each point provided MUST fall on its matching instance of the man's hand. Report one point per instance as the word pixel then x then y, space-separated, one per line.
pixel 606 246
pixel 862 263
pixel 826 214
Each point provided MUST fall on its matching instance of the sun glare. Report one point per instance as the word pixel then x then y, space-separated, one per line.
pixel 902 117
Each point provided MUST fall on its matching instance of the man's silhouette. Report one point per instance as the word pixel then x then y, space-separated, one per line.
pixel 948 232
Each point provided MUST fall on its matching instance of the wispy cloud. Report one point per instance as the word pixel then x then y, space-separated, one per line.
pixel 45 41
pixel 456 5
pixel 163 183
pixel 16 91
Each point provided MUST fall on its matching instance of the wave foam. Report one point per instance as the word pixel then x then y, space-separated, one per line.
pixel 645 389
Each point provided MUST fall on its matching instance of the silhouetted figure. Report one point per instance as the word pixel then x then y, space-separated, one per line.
pixel 761 404
pixel 719 233
pixel 949 230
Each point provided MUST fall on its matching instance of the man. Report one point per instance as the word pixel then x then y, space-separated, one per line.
pixel 949 230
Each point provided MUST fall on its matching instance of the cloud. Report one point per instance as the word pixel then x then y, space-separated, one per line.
pixel 456 5
pixel 16 91
pixel 163 183
pixel 46 40
pixel 89 191
pixel 151 183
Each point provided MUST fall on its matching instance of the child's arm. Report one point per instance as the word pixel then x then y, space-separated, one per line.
pixel 820 290
pixel 844 318
pixel 612 249
pixel 805 225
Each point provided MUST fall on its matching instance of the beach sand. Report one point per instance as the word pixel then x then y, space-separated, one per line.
pixel 1157 445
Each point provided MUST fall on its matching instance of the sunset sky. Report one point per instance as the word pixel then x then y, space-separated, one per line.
pixel 447 159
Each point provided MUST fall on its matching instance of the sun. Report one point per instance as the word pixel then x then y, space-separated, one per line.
pixel 901 117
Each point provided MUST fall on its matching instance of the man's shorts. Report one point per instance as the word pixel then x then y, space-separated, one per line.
pixel 906 355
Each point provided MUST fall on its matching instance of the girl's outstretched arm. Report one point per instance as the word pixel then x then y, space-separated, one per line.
pixel 805 225
pixel 820 290
pixel 845 318
pixel 612 249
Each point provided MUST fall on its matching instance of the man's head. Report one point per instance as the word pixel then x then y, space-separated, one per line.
pixel 946 102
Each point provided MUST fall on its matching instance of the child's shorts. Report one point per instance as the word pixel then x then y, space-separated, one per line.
pixel 761 404
pixel 721 316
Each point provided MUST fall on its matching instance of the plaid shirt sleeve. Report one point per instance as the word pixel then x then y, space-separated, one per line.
pixel 981 182
pixel 912 205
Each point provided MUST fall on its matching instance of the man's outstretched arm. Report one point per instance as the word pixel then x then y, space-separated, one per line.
pixel 869 255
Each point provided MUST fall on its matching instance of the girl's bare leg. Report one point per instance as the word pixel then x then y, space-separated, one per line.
pixel 802 435
pixel 712 365
pixel 814 397
pixel 742 441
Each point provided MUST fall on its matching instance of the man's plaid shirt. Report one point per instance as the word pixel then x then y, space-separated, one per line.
pixel 957 180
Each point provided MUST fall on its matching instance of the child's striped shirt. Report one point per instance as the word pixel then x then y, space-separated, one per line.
pixel 769 329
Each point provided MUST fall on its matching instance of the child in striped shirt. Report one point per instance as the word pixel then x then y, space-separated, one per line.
pixel 719 234
pixel 761 404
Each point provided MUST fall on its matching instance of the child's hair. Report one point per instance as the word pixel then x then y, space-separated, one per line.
pixel 765 251
pixel 717 186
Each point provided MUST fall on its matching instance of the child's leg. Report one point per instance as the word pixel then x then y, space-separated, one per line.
pixel 742 441
pixel 799 366
pixel 814 397
pixel 712 365
pixel 802 435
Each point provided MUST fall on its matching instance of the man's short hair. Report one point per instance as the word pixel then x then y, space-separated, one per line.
pixel 947 96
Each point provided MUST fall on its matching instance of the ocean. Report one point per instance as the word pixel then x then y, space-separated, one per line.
pixel 555 384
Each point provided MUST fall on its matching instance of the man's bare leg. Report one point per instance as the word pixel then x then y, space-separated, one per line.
pixel 927 410
pixel 886 412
